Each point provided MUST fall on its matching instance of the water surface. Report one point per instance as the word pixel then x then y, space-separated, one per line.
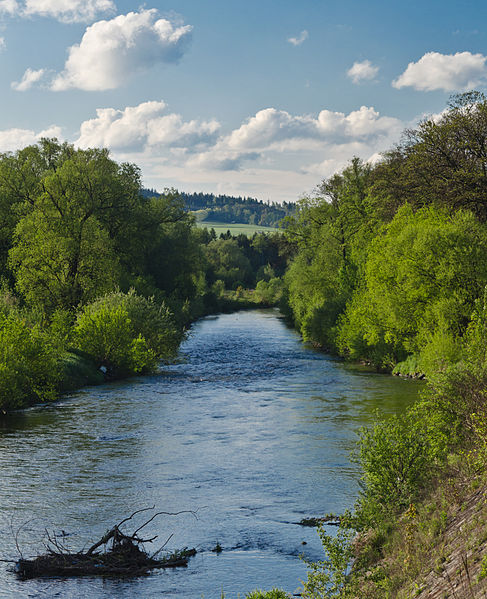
pixel 251 429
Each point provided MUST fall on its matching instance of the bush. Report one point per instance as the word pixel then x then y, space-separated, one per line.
pixel 330 577
pixel 29 370
pixel 397 458
pixel 126 333
pixel 272 594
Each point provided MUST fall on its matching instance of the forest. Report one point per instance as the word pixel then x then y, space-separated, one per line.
pixel 391 271
pixel 100 281
pixel 392 259
pixel 231 209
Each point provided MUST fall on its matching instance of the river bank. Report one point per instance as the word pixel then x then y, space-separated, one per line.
pixel 48 365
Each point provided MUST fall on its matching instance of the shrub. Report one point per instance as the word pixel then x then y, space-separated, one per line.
pixel 272 594
pixel 126 333
pixel 330 577
pixel 397 457
pixel 29 370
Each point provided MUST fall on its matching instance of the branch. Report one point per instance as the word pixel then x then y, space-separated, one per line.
pixel 166 514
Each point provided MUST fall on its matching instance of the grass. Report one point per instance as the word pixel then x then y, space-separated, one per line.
pixel 236 228
pixel 438 546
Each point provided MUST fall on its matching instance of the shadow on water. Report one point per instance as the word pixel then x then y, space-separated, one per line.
pixel 251 428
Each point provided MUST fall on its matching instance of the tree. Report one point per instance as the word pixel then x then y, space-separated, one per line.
pixel 75 205
pixel 332 232
pixel 60 263
pixel 422 277
pixel 228 263
pixel 442 162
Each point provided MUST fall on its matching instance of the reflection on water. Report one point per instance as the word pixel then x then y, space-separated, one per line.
pixel 251 428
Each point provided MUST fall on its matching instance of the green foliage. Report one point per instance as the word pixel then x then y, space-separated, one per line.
pixel 229 209
pixel 330 578
pixel 272 594
pixel 107 336
pixel 29 370
pixel 483 569
pixel 391 269
pixel 126 333
pixel 397 457
pixel 229 263
pixel 475 347
pixel 269 292
pixel 56 268
pixel 332 233
pixel 422 276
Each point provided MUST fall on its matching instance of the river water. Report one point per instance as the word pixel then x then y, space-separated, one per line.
pixel 251 429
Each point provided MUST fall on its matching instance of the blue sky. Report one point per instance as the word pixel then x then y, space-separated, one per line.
pixel 248 98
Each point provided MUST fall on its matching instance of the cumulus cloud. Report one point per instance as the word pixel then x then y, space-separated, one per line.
pixel 110 51
pixel 273 154
pixel 29 78
pixel 66 11
pixel 146 126
pixel 297 41
pixel 15 139
pixel 3 44
pixel 362 71
pixel 448 72
pixel 274 128
pixel 273 132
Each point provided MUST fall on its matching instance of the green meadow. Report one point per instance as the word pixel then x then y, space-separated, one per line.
pixel 236 228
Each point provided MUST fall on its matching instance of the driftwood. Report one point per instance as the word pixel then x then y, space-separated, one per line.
pixel 122 556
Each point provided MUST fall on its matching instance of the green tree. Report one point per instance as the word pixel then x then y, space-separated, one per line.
pixel 61 264
pixel 29 367
pixel 332 233
pixel 228 263
pixel 422 277
pixel 441 162
pixel 75 206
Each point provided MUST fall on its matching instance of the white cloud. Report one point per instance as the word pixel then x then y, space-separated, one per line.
pixel 110 51
pixel 66 11
pixel 362 71
pixel 29 78
pixel 297 41
pixel 15 139
pixel 272 155
pixel 137 128
pixel 275 128
pixel 273 137
pixel 222 159
pixel 9 7
pixel 3 43
pixel 450 72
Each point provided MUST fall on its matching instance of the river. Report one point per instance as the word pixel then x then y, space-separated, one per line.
pixel 251 429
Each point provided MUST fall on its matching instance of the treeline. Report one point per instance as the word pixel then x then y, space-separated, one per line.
pixel 391 269
pixel 393 257
pixel 98 280
pixel 230 209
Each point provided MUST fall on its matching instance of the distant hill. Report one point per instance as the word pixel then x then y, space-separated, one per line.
pixel 231 209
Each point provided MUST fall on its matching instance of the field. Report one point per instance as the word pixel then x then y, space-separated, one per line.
pixel 236 228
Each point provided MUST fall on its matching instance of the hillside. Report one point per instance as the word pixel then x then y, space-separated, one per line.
pixel 231 209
